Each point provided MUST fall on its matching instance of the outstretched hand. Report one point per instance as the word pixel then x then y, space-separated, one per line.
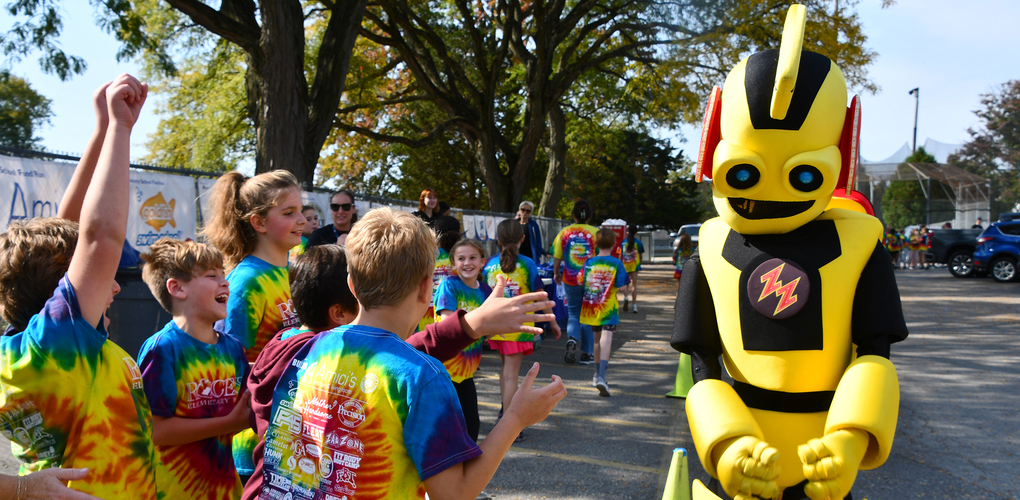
pixel 499 315
pixel 49 484
pixel 125 97
pixel 530 406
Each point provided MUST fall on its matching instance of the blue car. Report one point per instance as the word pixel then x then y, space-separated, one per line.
pixel 998 250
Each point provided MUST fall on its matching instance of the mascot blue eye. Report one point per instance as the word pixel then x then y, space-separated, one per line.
pixel 805 178
pixel 743 176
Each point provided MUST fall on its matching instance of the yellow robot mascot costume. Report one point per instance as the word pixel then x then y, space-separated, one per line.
pixel 800 301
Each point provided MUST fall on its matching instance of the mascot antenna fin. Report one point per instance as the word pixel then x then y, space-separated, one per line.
pixel 789 61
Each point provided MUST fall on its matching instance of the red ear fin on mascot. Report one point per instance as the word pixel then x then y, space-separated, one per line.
pixel 849 146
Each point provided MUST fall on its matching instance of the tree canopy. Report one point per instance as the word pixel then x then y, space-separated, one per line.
pixel 994 149
pixel 22 112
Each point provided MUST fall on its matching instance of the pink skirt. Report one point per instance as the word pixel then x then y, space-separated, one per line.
pixel 508 347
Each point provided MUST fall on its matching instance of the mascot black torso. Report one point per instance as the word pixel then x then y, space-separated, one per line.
pixel 796 296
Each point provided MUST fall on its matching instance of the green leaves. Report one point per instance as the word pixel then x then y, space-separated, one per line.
pixel 22 110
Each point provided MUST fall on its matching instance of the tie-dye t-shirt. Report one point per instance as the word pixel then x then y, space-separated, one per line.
pixel 259 304
pixel 71 398
pixel 258 307
pixel 574 245
pixel 443 269
pixel 632 259
pixel 454 294
pixel 524 279
pixel 297 251
pixel 602 277
pixel 187 378
pixel 360 414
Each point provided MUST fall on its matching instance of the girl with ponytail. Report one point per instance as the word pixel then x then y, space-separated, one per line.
pixel 521 277
pixel 631 257
pixel 255 222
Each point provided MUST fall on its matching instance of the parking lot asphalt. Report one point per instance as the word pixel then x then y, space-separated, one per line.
pixel 958 432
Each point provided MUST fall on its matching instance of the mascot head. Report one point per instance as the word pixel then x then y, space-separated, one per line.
pixel 779 139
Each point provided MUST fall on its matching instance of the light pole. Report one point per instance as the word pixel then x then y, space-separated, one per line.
pixel 917 97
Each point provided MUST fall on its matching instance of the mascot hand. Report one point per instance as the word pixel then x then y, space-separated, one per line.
pixel 831 463
pixel 748 468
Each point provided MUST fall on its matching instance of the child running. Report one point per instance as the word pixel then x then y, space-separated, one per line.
pixel 603 275
pixel 682 254
pixel 69 397
pixel 193 375
pixel 255 222
pixel 463 291
pixel 521 277
pixel 448 230
pixel 631 251
pixel 360 412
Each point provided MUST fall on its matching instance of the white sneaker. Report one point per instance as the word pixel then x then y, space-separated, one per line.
pixel 603 387
pixel 594 380
pixel 633 308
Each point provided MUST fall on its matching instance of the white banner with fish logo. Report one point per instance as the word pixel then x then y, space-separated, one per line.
pixel 162 205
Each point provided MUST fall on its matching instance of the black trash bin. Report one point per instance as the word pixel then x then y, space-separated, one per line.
pixel 135 313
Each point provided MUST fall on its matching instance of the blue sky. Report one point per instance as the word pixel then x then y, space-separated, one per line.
pixel 953 51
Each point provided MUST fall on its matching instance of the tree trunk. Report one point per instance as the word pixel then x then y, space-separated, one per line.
pixel 281 100
pixel 557 162
pixel 495 181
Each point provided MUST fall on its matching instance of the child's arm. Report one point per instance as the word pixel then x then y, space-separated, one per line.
pixel 70 203
pixel 104 210
pixel 180 430
pixel 529 406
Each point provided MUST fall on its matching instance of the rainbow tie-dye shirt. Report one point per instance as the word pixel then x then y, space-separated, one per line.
pixel 71 398
pixel 524 279
pixel 454 294
pixel 259 304
pixel 361 414
pixel 443 269
pixel 632 259
pixel 258 307
pixel 602 277
pixel 574 245
pixel 187 378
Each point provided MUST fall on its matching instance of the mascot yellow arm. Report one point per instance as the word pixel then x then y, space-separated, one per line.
pixel 716 413
pixel 867 398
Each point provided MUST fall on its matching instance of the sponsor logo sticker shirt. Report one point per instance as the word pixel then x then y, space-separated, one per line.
pixel 524 279
pixel 454 294
pixel 361 414
pixel 187 378
pixel 71 398
pixel 602 277
pixel 574 245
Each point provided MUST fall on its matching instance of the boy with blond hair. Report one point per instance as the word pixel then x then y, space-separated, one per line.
pixel 361 412
pixel 69 397
pixel 603 276
pixel 192 374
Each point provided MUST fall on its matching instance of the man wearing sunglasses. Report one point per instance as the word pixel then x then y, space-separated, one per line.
pixel 341 207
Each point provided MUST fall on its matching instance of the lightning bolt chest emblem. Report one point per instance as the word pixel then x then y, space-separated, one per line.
pixel 778 288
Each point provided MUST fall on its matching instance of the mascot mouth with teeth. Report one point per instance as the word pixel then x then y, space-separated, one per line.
pixel 797 297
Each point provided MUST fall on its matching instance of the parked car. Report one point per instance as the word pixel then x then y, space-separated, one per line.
pixel 998 250
pixel 691 229
pixel 955 249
